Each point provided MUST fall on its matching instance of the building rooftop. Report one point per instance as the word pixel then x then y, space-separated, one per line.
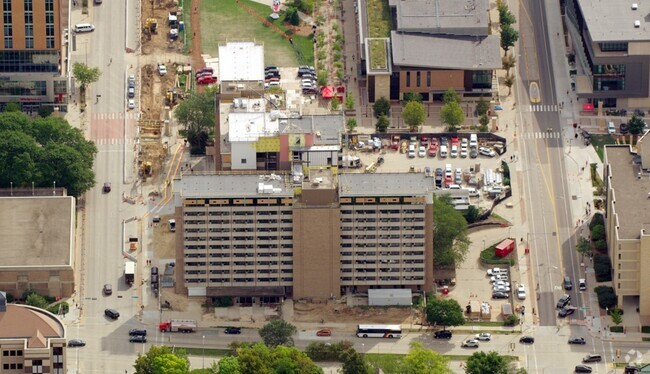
pixel 36 231
pixel 630 191
pixel 467 53
pixel 385 184
pixel 250 126
pixel 328 128
pixel 452 17
pixel 613 20
pixel 241 61
pixel 27 322
pixel 233 185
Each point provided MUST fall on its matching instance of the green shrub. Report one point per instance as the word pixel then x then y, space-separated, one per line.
pixel 222 302
pixel 54 309
pixel 489 258
pixel 597 219
pixel 318 351
pixel 603 268
pixel 511 320
pixel 601 245
pixel 616 329
pixel 597 233
pixel 606 296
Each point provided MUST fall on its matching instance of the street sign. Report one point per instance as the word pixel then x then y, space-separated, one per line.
pixel 134 297
pixel 584 308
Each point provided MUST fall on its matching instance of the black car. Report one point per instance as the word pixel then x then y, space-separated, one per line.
pixel 154 270
pixel 566 311
pixel 270 67
pixel 138 332
pixel 564 301
pixel 527 339
pixel 577 341
pixel 232 330
pixel 76 343
pixel 583 369
pixel 499 295
pixel 443 334
pixel 568 285
pixel 112 313
pixel 138 339
pixel 623 128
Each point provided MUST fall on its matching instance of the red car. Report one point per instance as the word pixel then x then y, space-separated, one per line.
pixel 424 141
pixel 206 79
pixel 324 332
pixel 204 70
pixel 433 147
pixel 454 141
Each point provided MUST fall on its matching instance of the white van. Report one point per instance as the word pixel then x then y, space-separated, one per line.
pixel 473 140
pixel 611 129
pixel 84 27
pixel 443 151
pixel 472 191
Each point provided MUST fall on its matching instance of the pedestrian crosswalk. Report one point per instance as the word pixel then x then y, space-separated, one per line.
pixel 115 115
pixel 112 141
pixel 540 108
pixel 541 135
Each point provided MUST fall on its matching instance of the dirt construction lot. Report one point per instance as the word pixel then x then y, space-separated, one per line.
pixel 339 313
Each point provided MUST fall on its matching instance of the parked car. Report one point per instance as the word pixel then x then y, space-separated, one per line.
pixel 484 336
pixel 76 343
pixel 112 314
pixel 521 292
pixel 623 128
pixel 138 339
pixel 463 151
pixel 138 332
pixel 454 151
pixel 583 369
pixel 577 341
pixel 131 104
pixel 439 177
pixel 458 176
pixel 324 332
pixel 208 79
pixel 108 289
pixel 499 277
pixel 204 70
pixel 501 289
pixel 232 330
pixel 107 187
pixel 443 334
pixel 470 343
pixel 566 311
pixel 564 301
pixel 162 69
pixel 568 285
pixel 433 147
pixel 592 358
pixel 527 339
pixel 485 151
pixel 611 129
pixel 495 271
pixel 473 152
pixel 154 270
pixel 422 151
pixel 411 153
pixel 582 284
pixel 500 295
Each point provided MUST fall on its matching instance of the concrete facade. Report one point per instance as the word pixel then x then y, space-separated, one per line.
pixel 38 233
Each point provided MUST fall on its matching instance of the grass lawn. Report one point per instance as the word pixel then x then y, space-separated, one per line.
pixel 391 363
pixel 598 141
pixel 224 20
pixel 209 352
pixel 186 34
pixel 378 19
pixel 378 54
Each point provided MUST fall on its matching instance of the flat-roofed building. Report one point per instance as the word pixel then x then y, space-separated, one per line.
pixel 627 223
pixel 38 245
pixel 255 235
pixel 32 340
pixel 241 68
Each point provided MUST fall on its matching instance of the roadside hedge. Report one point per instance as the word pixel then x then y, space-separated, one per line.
pixel 606 296
pixel 488 257
pixel 616 329
pixel 603 268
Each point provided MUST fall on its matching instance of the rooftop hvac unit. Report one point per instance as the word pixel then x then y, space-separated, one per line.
pixel 637 24
pixel 635 6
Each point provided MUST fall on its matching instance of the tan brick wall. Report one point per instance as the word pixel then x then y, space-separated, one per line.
pixel 382 86
pixel 441 80
pixel 16 282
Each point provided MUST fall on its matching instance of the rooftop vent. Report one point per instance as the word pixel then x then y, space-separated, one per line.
pixel 637 24
pixel 635 6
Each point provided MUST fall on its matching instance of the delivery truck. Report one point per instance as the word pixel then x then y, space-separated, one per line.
pixel 129 272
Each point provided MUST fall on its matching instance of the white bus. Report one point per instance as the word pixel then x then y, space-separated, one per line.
pixel 379 331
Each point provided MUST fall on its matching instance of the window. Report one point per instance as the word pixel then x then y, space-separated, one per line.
pixel 29 25
pixel 37 366
pixel 417 82
pixel 408 79
pixel 613 47
pixel 609 77
pixel 243 160
pixel 49 23
pixel 8 28
pixel 428 79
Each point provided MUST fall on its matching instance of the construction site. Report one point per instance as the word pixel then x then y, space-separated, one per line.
pixel 165 78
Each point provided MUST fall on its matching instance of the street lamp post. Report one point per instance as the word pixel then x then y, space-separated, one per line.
pixel 203 355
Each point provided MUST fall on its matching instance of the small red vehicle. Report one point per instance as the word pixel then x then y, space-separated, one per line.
pixel 433 147
pixel 324 332
pixel 395 143
pixel 206 80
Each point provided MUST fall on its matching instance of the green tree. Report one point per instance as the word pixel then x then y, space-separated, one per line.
pixel 277 332
pixel 413 115
pixel 147 364
pixel 482 106
pixel 335 104
pixel 381 107
pixel 450 96
pixel 258 358
pixel 11 106
pixel 445 312
pixel 196 114
pixel 227 365
pixel 36 300
pixel 509 37
pixel 617 316
pixel 411 96
pixel 450 241
pixel 291 16
pixel 85 75
pixel 382 124
pixel 423 360
pixel 506 18
pixel 508 62
pixel 169 363
pixel 472 214
pixel 583 247
pixel 351 125
pixel 355 363
pixel 484 120
pixel 45 111
pixel 349 102
pixel 322 77
pixel 486 363
pixel 452 115
pixel 511 320
pixel 635 125
pixel 509 81
pixel 597 233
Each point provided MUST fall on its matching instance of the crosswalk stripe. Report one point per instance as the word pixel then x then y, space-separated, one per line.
pixel 540 108
pixel 542 135
pixel 112 141
pixel 115 115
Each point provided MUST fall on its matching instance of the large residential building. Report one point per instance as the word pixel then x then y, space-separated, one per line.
pixel 251 235
pixel 32 53
pixel 627 179
pixel 38 245
pixel 611 45
pixel 432 46
pixel 32 340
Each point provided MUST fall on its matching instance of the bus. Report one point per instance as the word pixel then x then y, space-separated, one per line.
pixel 379 331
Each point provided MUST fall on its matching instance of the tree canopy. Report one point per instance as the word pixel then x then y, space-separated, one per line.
pixel 509 37
pixel 452 114
pixel 450 241
pixel 445 312
pixel 227 365
pixel 450 96
pixel 424 360
pixel 84 74
pixel 161 360
pixel 278 332
pixel 636 125
pixel 44 151
pixel 196 114
pixel 381 107
pixel 413 115
pixel 355 363
pixel 486 363
pixel 258 358
pixel 382 123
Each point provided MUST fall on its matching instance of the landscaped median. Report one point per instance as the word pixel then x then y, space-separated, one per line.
pixel 489 257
